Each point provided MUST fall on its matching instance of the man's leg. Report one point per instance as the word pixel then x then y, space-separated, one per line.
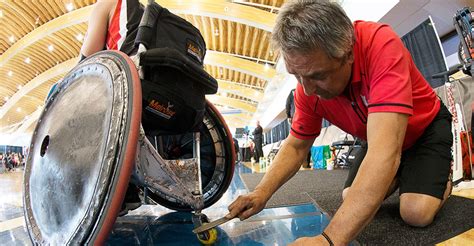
pixel 420 209
pixel 424 172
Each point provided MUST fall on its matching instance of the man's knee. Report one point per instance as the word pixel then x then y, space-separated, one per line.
pixel 418 210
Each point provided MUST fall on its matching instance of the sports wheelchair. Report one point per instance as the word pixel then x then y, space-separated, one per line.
pixel 95 136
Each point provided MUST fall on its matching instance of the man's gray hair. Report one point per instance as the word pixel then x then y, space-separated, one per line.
pixel 304 25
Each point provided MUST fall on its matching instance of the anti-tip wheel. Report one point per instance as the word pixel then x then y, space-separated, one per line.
pixel 208 237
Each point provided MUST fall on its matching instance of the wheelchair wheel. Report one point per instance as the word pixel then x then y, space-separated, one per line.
pixel 217 159
pixel 82 153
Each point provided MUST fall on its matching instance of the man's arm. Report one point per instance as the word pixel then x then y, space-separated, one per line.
pixel 97 27
pixel 385 136
pixel 286 163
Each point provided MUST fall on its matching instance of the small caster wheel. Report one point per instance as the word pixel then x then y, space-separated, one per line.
pixel 208 237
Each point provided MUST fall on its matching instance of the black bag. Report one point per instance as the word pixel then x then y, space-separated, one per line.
pixel 175 81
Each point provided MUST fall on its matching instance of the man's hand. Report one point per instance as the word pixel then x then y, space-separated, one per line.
pixel 247 205
pixel 309 241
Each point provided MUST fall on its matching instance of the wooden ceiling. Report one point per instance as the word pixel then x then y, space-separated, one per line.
pixel 40 42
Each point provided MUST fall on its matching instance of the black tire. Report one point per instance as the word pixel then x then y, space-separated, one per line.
pixel 216 171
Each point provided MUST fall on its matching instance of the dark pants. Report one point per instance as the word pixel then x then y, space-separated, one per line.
pixel 258 152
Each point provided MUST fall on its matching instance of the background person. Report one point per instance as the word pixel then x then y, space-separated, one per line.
pixel 258 141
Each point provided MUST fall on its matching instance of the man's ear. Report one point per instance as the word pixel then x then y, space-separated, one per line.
pixel 350 56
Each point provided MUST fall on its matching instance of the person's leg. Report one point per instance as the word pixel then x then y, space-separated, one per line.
pixel 258 150
pixel 425 170
pixel 354 164
pixel 255 153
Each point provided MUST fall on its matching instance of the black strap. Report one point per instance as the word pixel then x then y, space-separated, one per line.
pixel 147 24
pixel 327 238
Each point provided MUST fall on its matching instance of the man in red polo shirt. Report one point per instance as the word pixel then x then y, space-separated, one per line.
pixel 360 77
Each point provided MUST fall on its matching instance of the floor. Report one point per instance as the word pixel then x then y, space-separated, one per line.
pixel 155 225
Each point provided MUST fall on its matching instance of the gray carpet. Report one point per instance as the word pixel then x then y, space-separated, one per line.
pixel 325 187
pixel 296 190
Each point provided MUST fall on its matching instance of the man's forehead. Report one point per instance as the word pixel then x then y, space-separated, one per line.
pixel 307 63
pixel 306 67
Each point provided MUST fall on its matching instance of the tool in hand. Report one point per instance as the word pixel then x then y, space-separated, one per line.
pixel 211 225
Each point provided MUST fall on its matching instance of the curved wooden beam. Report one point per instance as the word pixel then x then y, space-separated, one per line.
pixel 235 121
pixel 226 60
pixel 72 18
pixel 32 119
pixel 57 70
pixel 235 103
pixel 240 90
pixel 224 10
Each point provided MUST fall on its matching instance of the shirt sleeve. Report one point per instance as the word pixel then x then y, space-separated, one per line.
pixel 389 73
pixel 306 122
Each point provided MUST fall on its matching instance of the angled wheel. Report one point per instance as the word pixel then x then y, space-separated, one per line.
pixel 82 152
pixel 217 158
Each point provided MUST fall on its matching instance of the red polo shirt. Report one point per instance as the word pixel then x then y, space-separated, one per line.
pixel 384 79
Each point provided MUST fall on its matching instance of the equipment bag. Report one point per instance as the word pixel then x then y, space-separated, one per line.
pixel 175 81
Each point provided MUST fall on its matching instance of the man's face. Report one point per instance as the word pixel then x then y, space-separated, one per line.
pixel 318 74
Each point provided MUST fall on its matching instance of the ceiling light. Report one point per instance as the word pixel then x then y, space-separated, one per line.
pixel 50 48
pixel 1 13
pixel 224 94
pixel 216 32
pixel 18 109
pixel 19 87
pixel 11 39
pixel 69 7
pixel 27 60
pixel 79 37
pixel 6 98
pixel 10 73
pixel 266 67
